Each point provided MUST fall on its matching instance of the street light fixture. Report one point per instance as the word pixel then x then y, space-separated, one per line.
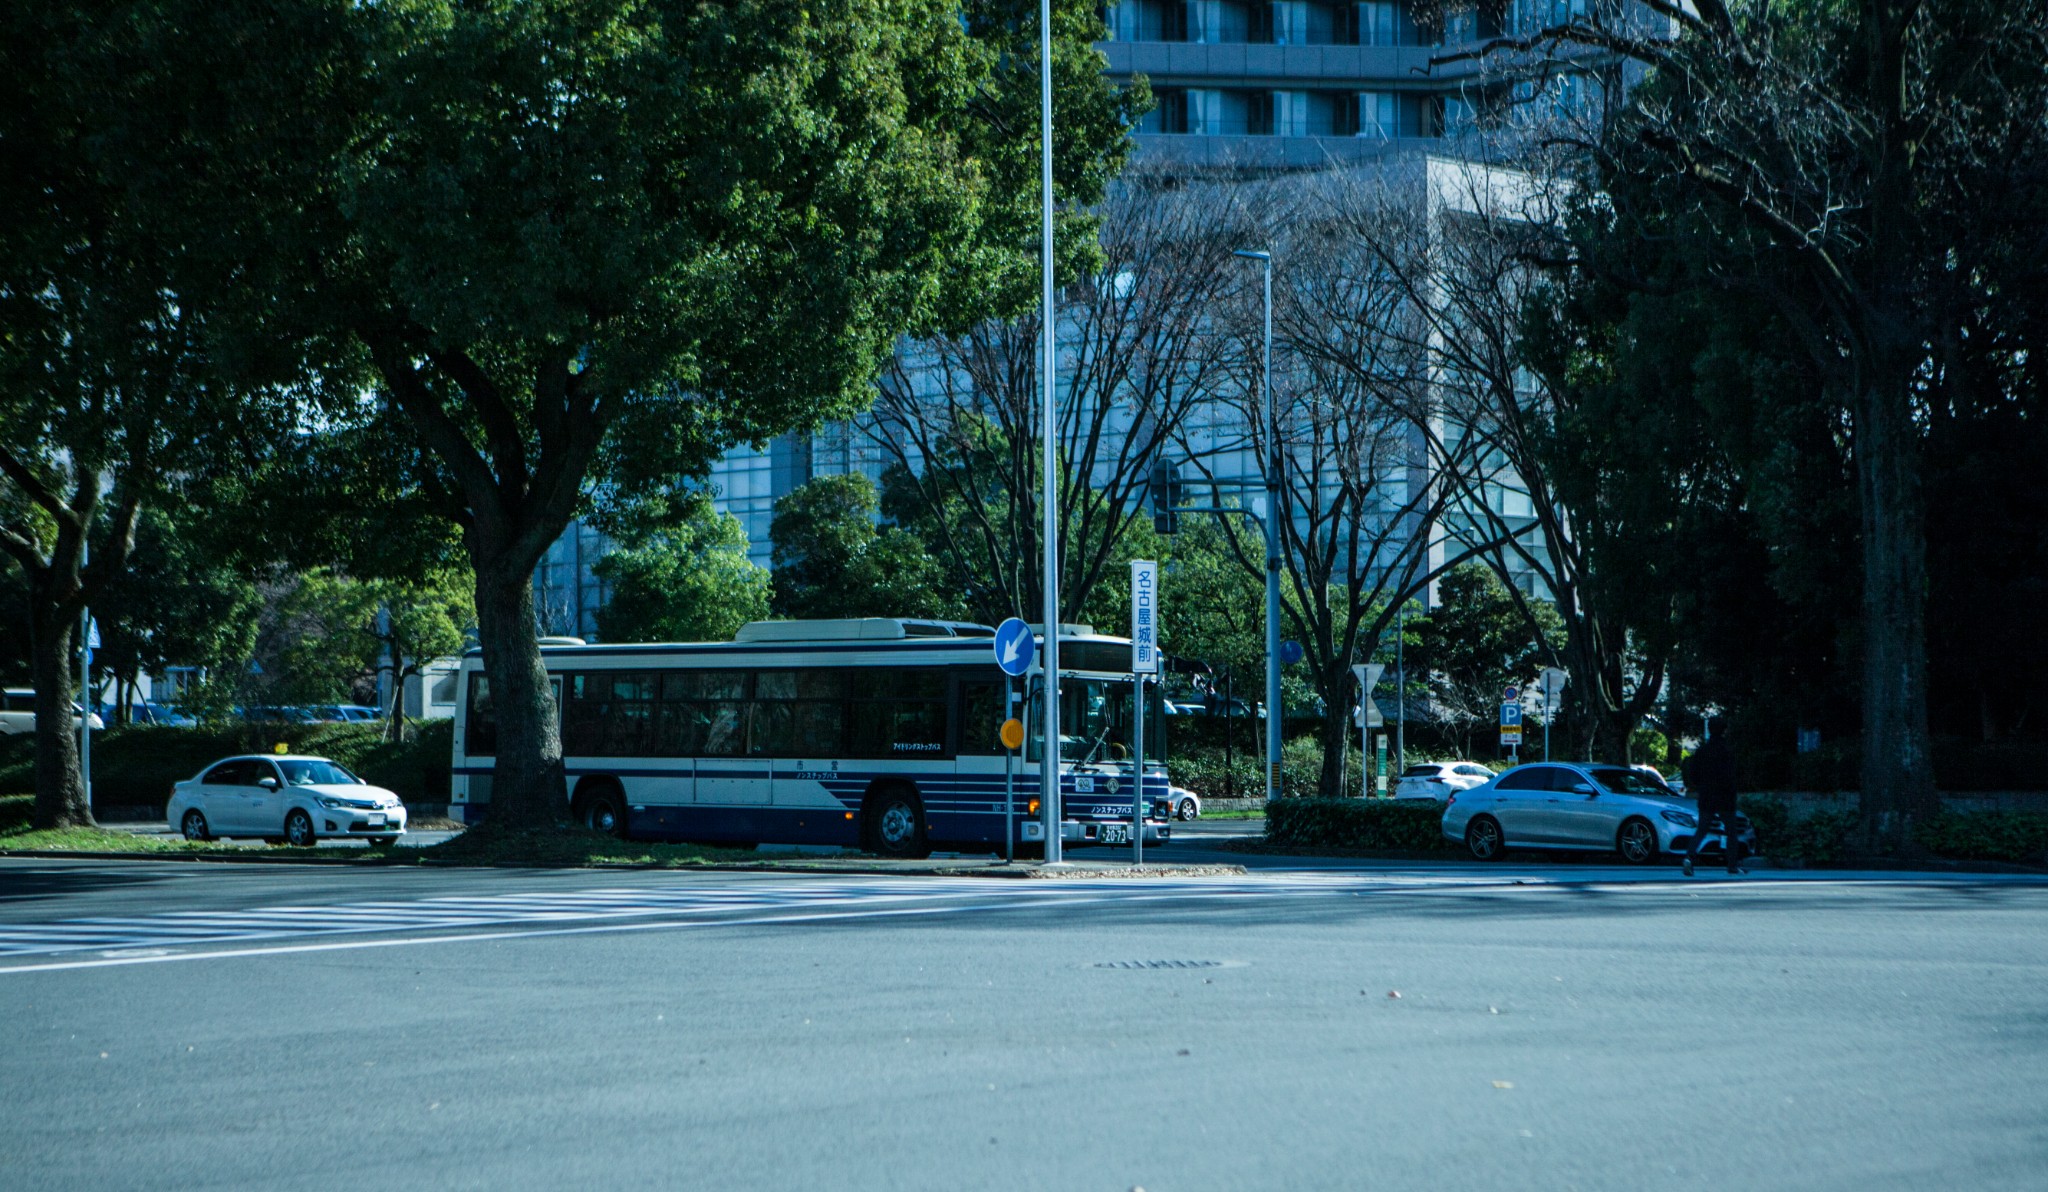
pixel 1272 520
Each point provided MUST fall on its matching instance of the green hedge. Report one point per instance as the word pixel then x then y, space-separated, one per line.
pixel 1986 835
pixel 1820 838
pixel 1358 823
pixel 136 766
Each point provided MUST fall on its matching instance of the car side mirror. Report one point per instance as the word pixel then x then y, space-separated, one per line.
pixel 1583 788
pixel 269 784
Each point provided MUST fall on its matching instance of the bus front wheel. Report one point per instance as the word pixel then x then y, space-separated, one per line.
pixel 894 824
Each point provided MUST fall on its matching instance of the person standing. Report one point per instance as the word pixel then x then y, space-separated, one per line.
pixel 1710 778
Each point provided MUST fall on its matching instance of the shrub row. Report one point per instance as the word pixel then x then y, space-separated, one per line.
pixel 1358 823
pixel 1202 771
pixel 1820 838
pixel 136 766
pixel 1826 837
pixel 1986 835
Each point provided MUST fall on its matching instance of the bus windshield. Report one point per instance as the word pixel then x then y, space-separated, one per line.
pixel 1095 721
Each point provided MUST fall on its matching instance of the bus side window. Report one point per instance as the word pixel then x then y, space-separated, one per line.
pixel 799 713
pixel 629 717
pixel 900 714
pixel 703 714
pixel 583 714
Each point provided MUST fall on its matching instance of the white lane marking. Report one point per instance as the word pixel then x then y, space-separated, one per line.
pixel 684 898
pixel 193 927
pixel 153 956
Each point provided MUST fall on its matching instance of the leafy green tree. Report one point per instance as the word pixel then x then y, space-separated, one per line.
pixel 341 630
pixel 1856 166
pixel 116 391
pixel 831 560
pixel 586 245
pixel 1476 642
pixel 178 604
pixel 689 582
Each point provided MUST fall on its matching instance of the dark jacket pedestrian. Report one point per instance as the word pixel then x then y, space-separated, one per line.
pixel 1710 780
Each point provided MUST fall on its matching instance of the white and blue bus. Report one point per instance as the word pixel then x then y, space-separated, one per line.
pixel 875 733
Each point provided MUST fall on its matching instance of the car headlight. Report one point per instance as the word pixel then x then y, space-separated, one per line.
pixel 332 803
pixel 1681 818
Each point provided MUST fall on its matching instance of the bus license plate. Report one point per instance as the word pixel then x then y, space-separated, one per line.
pixel 1115 834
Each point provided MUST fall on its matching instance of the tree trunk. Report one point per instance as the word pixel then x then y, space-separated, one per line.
pixel 528 783
pixel 60 790
pixel 1330 783
pixel 1898 770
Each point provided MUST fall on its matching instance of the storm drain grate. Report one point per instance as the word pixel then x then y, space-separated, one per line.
pixel 1160 964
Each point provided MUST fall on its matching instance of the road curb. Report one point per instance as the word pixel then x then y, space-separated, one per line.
pixel 1014 872
pixel 1259 847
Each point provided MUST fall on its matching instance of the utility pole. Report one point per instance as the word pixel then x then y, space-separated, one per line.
pixel 1049 769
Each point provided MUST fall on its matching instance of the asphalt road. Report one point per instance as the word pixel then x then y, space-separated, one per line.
pixel 178 1025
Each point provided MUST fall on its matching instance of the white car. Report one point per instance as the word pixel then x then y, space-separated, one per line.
pixel 1574 805
pixel 18 712
pixel 1438 781
pixel 288 797
pixel 1182 803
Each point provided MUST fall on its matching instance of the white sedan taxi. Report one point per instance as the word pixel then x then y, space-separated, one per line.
pixel 284 797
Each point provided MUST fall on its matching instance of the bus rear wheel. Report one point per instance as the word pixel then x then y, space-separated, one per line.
pixel 604 810
pixel 893 824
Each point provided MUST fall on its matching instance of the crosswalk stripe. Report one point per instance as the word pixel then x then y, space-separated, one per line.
pixel 686 901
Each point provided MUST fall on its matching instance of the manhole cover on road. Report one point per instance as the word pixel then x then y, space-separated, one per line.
pixel 1160 964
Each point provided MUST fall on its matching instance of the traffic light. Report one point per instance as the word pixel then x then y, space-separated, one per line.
pixel 1164 496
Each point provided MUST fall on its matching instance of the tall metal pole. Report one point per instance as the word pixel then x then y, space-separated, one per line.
pixel 1400 691
pixel 85 696
pixel 1009 776
pixel 1049 767
pixel 1274 512
pixel 1138 770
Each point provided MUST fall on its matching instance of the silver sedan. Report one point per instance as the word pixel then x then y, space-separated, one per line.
pixel 1560 805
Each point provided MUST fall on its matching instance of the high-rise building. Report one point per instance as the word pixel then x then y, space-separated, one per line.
pixel 1300 84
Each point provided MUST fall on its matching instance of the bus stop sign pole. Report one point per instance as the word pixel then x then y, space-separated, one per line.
pixel 1013 647
pixel 1144 662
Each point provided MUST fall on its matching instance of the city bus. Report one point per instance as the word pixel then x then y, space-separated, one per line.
pixel 876 733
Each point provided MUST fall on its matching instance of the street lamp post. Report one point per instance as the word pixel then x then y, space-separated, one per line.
pixel 1049 767
pixel 1272 520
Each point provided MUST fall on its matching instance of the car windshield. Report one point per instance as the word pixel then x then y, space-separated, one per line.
pixel 1629 782
pixel 317 773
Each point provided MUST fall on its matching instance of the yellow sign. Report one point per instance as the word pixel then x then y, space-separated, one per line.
pixel 1012 733
pixel 282 748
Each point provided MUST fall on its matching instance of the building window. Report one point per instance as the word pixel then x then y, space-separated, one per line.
pixel 1169 113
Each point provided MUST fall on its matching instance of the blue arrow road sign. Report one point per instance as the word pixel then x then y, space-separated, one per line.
pixel 1290 653
pixel 1014 646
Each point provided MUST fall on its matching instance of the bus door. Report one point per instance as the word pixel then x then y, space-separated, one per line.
pixel 711 713
pixel 799 720
pixel 980 759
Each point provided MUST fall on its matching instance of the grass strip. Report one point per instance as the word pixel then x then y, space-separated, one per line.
pixel 547 848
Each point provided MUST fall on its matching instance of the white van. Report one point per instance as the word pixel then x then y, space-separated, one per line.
pixel 18 712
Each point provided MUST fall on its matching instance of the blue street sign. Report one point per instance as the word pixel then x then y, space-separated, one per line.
pixel 1510 714
pixel 1014 646
pixel 1290 653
